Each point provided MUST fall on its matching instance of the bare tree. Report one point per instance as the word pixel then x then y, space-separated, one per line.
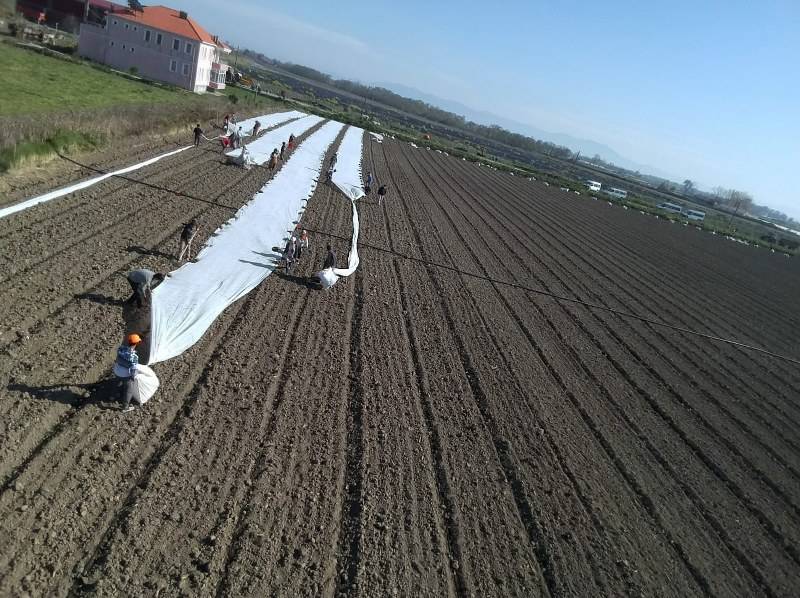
pixel 688 186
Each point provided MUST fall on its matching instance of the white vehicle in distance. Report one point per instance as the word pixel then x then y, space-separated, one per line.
pixel 670 207
pixel 594 185
pixel 618 193
pixel 696 215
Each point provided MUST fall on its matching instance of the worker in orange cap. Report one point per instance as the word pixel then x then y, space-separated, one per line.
pixel 125 370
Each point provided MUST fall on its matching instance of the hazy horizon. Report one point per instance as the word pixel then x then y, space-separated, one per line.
pixel 704 92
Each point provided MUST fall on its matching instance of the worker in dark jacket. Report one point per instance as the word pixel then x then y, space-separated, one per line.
pixel 330 259
pixel 142 282
pixel 187 236
pixel 198 133
pixel 289 254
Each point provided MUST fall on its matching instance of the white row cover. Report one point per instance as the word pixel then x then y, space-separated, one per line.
pixel 29 203
pixel 347 178
pixel 239 254
pixel 267 120
pixel 260 149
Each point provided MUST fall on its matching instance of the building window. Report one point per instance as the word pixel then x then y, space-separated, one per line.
pixel 188 48
pixel 159 37
pixel 132 49
pixel 116 22
pixel 176 44
pixel 126 25
pixel 185 69
pixel 111 43
pixel 173 65
pixel 135 28
pixel 123 46
pixel 147 35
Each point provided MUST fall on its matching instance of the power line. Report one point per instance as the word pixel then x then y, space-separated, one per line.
pixel 565 299
pixel 508 283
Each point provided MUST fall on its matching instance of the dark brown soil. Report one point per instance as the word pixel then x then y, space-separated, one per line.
pixel 421 429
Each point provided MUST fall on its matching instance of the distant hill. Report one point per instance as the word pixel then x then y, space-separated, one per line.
pixel 587 147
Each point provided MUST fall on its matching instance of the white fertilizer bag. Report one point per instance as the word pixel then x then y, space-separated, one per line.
pixel 148 383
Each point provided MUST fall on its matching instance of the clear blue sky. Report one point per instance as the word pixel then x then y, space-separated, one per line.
pixel 707 90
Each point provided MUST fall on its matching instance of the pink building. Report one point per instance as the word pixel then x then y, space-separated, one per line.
pixel 163 44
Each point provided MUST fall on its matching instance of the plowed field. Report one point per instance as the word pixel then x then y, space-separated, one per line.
pixel 428 427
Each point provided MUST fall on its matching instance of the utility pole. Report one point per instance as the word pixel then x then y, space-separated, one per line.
pixel 735 212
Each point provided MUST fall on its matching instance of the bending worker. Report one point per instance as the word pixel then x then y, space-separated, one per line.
pixel 142 282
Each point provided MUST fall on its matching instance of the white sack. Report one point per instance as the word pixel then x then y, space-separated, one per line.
pixel 147 381
pixel 377 137
pixel 239 255
pixel 327 278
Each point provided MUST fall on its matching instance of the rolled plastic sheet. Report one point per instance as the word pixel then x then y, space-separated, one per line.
pixel 267 120
pixel 348 179
pixel 376 136
pixel 261 147
pixel 239 254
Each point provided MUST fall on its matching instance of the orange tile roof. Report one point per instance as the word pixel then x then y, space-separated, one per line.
pixel 169 20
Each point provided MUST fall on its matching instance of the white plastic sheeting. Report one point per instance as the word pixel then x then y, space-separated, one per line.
pixel 377 137
pixel 267 120
pixel 29 203
pixel 348 165
pixel 348 178
pixel 238 256
pixel 261 148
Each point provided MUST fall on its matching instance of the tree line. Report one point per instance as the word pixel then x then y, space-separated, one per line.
pixel 728 199
pixel 422 109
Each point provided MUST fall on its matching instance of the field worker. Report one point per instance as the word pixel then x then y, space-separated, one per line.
pixel 198 132
pixel 256 129
pixel 334 159
pixel 125 369
pixel 381 193
pixel 273 159
pixel 187 236
pixel 283 150
pixel 225 122
pixel 142 282
pixel 330 259
pixel 368 183
pixel 289 254
pixel 237 138
pixel 303 243
pixel 291 142
pixel 329 174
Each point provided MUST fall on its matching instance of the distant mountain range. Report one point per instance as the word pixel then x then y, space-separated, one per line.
pixel 587 147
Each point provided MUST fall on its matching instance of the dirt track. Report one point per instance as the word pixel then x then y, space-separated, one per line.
pixel 415 430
